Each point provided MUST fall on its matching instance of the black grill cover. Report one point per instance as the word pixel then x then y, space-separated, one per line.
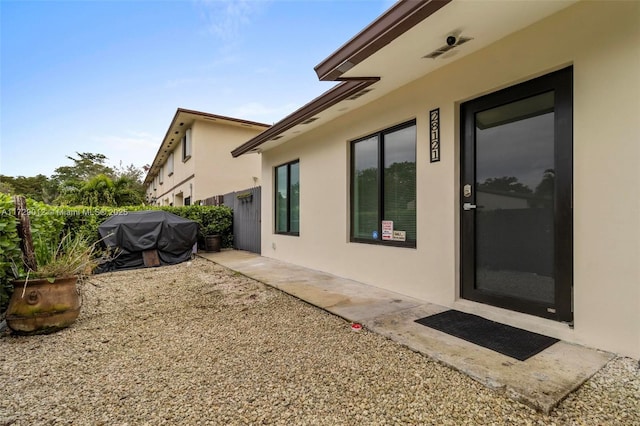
pixel 134 232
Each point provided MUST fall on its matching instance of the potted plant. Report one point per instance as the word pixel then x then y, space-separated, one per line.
pixel 45 299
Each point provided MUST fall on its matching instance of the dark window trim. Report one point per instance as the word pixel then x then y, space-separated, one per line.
pixel 380 134
pixel 562 83
pixel 275 192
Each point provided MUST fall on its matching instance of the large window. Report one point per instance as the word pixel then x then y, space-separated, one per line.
pixel 383 187
pixel 287 200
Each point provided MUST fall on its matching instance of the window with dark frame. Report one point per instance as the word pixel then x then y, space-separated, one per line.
pixel 287 198
pixel 383 187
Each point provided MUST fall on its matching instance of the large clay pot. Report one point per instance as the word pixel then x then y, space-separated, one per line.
pixel 45 307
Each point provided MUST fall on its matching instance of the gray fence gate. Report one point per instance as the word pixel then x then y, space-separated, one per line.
pixel 246 218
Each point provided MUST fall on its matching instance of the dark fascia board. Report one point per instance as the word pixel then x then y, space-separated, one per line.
pixel 400 18
pixel 150 175
pixel 331 97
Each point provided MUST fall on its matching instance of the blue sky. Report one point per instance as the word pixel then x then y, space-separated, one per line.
pixel 107 76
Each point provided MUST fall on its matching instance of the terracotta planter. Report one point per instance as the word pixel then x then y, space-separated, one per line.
pixel 45 307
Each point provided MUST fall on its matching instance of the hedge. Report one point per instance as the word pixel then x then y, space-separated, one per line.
pixel 48 223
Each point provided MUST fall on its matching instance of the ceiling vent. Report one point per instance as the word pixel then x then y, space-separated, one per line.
pixel 444 49
pixel 277 137
pixel 360 93
pixel 310 120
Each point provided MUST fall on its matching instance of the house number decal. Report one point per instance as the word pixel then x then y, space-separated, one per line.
pixel 434 118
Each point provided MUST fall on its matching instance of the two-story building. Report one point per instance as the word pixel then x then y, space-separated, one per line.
pixel 480 155
pixel 194 161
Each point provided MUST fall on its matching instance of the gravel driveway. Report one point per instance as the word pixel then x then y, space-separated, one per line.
pixel 196 344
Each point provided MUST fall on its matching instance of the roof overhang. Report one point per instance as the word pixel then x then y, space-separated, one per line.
pixel 396 49
pixel 183 120
pixel 307 114
pixel 389 26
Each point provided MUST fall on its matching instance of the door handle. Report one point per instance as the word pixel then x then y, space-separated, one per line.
pixel 469 206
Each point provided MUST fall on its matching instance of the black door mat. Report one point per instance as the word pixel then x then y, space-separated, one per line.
pixel 510 341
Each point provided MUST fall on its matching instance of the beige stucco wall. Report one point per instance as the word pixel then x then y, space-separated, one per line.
pixel 218 172
pixel 176 187
pixel 211 170
pixel 602 41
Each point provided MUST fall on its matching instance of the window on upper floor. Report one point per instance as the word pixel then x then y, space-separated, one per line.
pixel 161 175
pixel 170 165
pixel 287 198
pixel 383 187
pixel 186 145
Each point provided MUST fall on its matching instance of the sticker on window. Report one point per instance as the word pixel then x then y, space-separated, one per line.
pixel 399 235
pixel 387 230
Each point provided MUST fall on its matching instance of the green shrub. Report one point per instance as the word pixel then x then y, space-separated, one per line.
pixel 9 247
pixel 212 220
pixel 69 255
pixel 47 222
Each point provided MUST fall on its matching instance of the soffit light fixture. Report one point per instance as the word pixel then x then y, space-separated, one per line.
pixel 452 42
pixel 357 95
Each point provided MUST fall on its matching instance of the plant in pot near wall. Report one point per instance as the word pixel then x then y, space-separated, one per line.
pixel 212 237
pixel 45 298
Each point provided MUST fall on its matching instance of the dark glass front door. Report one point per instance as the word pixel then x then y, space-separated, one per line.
pixel 516 197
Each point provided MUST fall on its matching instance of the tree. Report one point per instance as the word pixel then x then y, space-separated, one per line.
pixel 101 190
pixel 67 180
pixel 89 181
pixel 546 186
pixel 30 187
pixel 128 192
pixel 88 165
pixel 131 176
pixel 504 184
pixel 6 187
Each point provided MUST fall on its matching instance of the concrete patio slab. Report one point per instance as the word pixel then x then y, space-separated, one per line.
pixel 541 381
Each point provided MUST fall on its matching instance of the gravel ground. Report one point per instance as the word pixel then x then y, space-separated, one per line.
pixel 197 344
